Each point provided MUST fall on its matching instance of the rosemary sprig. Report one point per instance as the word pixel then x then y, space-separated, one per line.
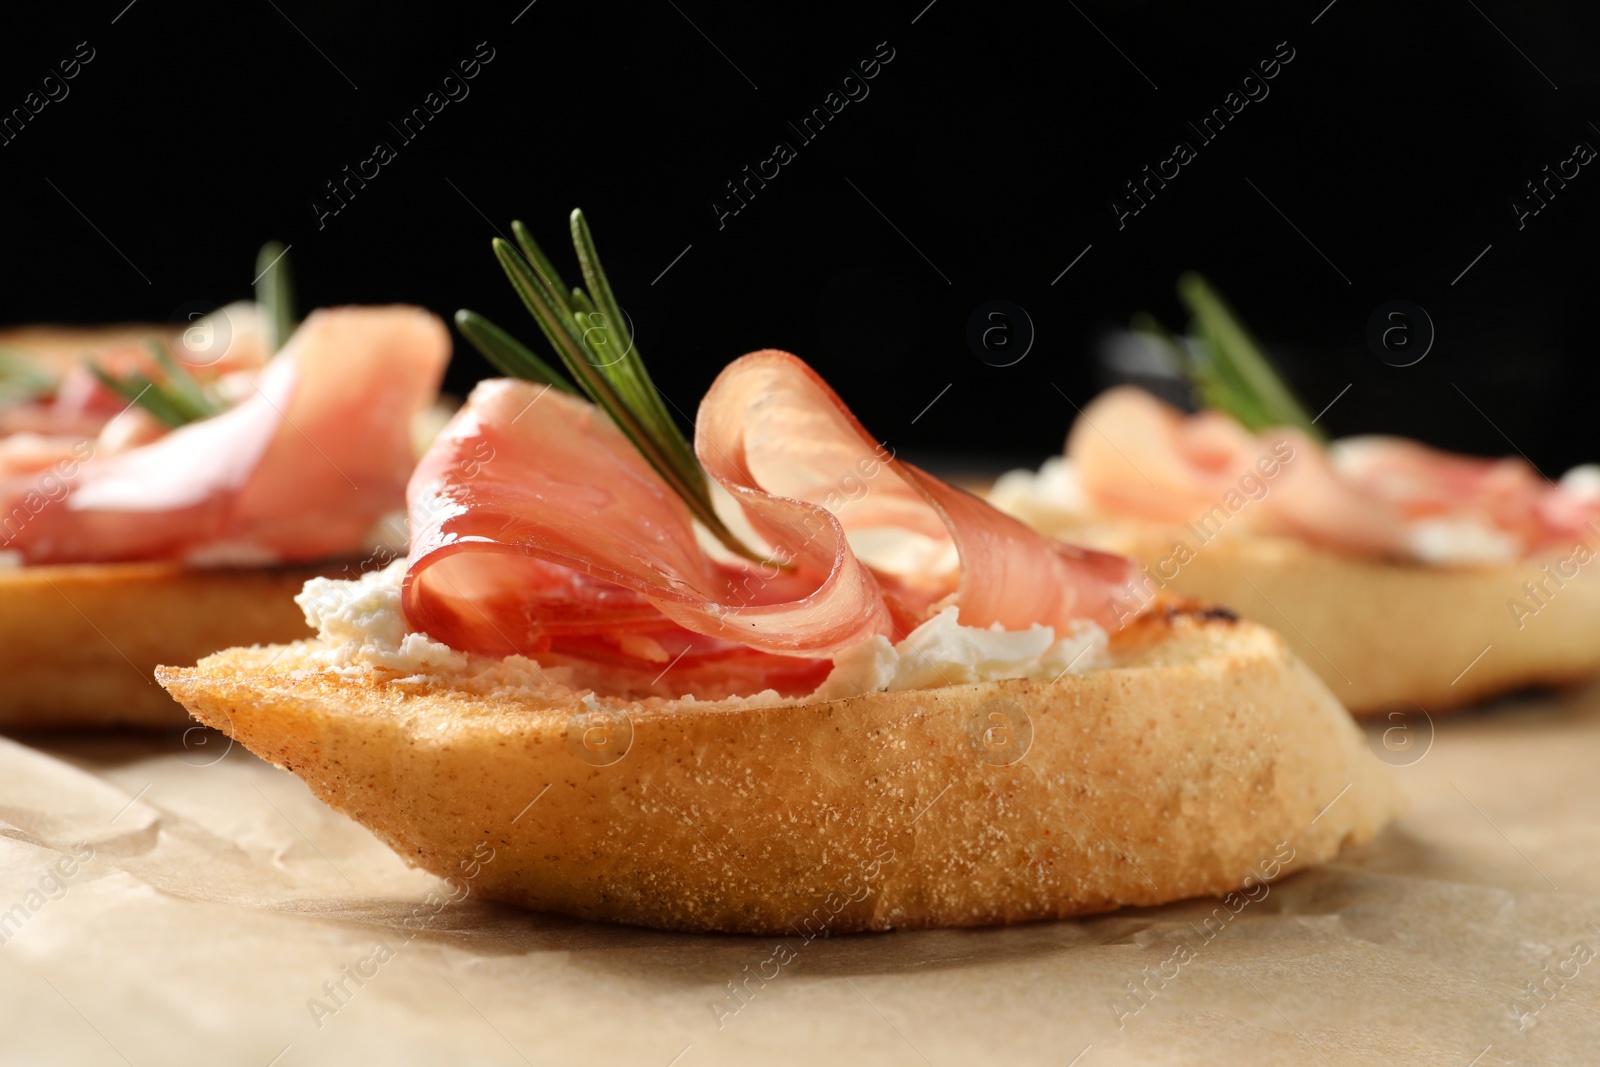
pixel 175 400
pixel 1225 364
pixel 589 333
pixel 275 294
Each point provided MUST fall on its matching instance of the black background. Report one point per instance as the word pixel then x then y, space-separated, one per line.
pixel 978 167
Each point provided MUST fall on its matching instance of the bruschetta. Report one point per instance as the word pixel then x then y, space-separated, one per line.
pixel 870 700
pixel 133 534
pixel 1408 577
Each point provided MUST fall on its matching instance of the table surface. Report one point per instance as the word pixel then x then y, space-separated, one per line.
pixel 220 905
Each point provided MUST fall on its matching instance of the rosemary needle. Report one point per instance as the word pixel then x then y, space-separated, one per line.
pixel 507 354
pixel 175 400
pixel 275 294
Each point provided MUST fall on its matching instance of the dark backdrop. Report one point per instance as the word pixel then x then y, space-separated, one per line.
pixel 1383 161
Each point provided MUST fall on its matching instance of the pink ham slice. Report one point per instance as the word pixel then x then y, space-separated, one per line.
pixel 538 528
pixel 774 434
pixel 1137 457
pixel 300 469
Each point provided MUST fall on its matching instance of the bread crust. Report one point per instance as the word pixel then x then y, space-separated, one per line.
pixel 1385 635
pixel 1185 769
pixel 79 643
pixel 63 346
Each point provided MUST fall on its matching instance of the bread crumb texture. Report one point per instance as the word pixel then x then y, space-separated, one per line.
pixel 1179 770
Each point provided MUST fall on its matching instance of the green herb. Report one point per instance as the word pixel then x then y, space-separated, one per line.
pixel 1225 365
pixel 589 333
pixel 21 379
pixel 175 400
pixel 275 294
pixel 508 355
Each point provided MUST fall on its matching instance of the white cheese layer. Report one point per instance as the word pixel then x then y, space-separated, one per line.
pixel 943 652
pixel 1447 541
pixel 362 623
pixel 1052 488
pixel 1582 482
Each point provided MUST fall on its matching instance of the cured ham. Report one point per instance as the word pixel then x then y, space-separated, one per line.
pixel 537 528
pixel 302 467
pixel 772 432
pixel 1136 457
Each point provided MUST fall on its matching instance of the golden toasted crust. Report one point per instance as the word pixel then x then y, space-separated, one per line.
pixel 79 643
pixel 1383 634
pixel 62 346
pixel 1204 757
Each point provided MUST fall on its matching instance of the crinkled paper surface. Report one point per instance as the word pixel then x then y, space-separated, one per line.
pixel 223 907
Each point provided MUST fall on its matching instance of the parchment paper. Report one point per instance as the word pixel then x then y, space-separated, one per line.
pixel 220 897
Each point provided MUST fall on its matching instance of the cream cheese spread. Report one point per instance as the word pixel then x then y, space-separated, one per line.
pixel 362 626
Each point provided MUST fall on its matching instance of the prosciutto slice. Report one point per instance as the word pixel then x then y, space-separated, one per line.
pixel 301 468
pixel 1134 456
pixel 538 528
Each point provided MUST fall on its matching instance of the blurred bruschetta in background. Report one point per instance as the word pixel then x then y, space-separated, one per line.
pixel 164 492
pixel 1404 575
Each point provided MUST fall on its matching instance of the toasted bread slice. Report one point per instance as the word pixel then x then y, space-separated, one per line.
pixel 1383 634
pixel 1207 756
pixel 79 643
pixel 61 346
